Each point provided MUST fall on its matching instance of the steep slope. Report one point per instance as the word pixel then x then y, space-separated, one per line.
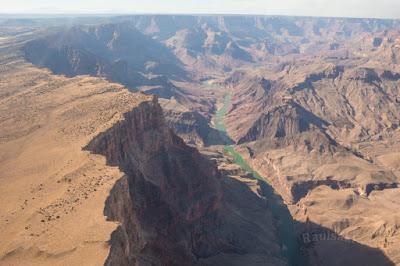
pixel 326 137
pixel 219 43
pixel 166 203
pixel 189 124
pixel 52 192
pixel 171 204
pixel 373 221
pixel 322 113
pixel 117 52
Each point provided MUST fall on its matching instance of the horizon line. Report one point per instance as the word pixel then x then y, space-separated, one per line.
pixel 115 13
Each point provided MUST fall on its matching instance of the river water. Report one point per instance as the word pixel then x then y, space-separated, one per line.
pixel 285 223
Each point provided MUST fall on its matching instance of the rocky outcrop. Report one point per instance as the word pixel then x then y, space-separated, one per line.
pixel 168 187
pixel 283 121
pixel 299 135
pixel 171 204
pixel 331 72
pixel 108 50
pixel 192 127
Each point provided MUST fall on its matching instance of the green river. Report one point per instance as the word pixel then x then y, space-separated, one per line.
pixel 285 224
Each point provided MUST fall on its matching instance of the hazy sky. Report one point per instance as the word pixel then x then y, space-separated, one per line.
pixel 346 8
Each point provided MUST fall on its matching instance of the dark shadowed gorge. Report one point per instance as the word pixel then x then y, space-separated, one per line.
pixel 170 195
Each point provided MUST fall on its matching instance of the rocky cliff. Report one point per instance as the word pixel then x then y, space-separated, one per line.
pixel 172 202
pixel 326 137
pixel 106 50
pixel 301 125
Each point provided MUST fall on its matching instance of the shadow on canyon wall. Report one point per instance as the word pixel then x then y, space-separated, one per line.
pixel 175 208
pixel 318 245
pixel 322 246
pixel 216 137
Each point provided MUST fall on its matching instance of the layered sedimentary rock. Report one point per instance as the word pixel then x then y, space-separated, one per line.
pixel 172 203
pixel 117 52
pixel 325 137
pixel 191 126
pixel 318 118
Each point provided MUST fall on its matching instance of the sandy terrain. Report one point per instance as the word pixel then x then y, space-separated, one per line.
pixel 51 192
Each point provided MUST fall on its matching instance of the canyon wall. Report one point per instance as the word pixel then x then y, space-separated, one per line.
pixel 172 202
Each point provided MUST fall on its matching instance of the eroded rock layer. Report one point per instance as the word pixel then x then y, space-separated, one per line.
pixel 172 203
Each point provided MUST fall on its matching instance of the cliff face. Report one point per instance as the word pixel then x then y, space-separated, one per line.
pixel 192 127
pixel 168 187
pixel 53 193
pixel 303 130
pixel 327 140
pixel 171 204
pixel 107 50
pixel 282 121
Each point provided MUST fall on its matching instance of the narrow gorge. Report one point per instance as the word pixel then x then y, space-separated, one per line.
pixel 171 194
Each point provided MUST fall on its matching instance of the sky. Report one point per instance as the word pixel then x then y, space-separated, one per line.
pixel 334 8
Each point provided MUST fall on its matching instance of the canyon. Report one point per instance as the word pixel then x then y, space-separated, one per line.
pixel 199 140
